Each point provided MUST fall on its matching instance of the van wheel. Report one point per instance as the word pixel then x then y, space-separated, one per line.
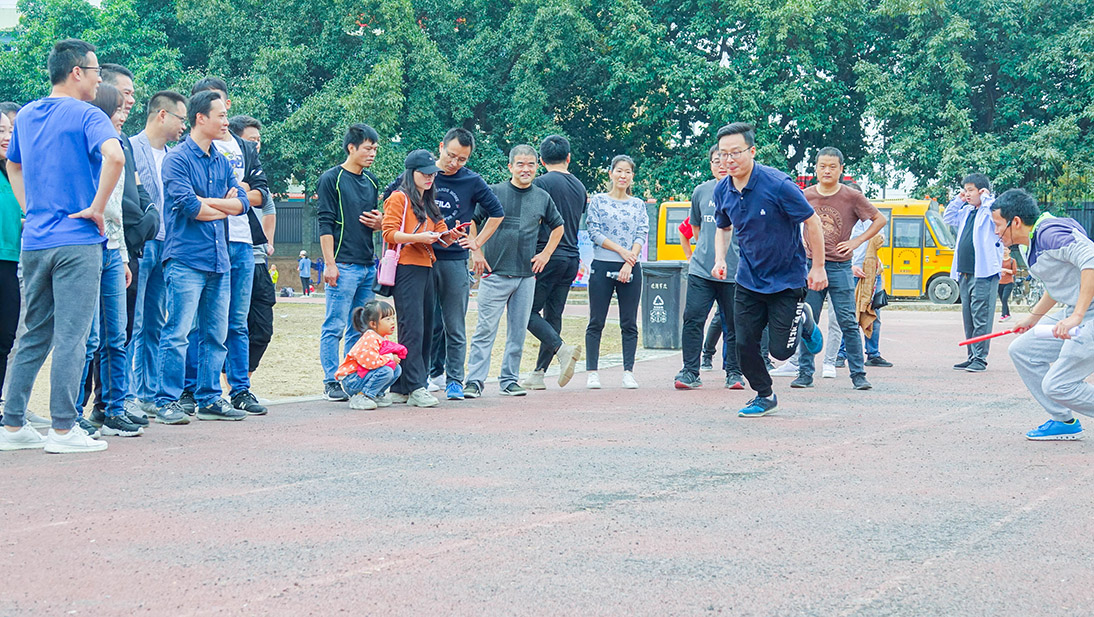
pixel 943 290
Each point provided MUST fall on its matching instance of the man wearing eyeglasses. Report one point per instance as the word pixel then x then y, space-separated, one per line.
pixel 459 192
pixel 766 210
pixel 64 160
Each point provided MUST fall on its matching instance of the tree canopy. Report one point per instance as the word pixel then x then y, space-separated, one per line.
pixel 933 89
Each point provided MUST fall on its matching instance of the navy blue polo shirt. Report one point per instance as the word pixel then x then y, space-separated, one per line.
pixel 189 173
pixel 767 216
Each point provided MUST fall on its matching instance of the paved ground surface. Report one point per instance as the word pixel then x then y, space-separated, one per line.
pixel 918 498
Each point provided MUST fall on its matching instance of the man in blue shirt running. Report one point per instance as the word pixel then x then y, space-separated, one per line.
pixel 767 210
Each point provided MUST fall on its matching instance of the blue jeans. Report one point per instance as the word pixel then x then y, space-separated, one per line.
pixel 198 301
pixel 107 336
pixel 874 339
pixel 354 289
pixel 149 315
pixel 375 382
pixel 238 343
pixel 841 290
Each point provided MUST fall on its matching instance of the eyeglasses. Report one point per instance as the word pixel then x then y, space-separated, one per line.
pixel 92 68
pixel 735 155
pixel 182 118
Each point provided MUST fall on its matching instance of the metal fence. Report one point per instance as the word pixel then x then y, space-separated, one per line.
pixel 293 219
pixel 1083 212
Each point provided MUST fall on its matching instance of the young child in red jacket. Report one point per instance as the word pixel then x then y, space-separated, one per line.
pixel 373 364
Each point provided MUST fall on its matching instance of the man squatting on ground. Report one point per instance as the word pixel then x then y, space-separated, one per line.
pixel 766 209
pixel 1061 256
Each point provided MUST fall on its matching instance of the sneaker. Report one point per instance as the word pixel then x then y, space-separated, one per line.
pixel 1004 318
pixel 960 366
pixel 534 380
pixel 1054 430
pixel 396 397
pixel 134 410
pixel 592 381
pixel 687 381
pixel 707 364
pixel 96 417
pixel 172 413
pixel 89 428
pixel 513 389
pixel 829 371
pixel 245 401
pixel 472 390
pixel 977 366
pixel 878 361
pixel 188 402
pixel 454 391
pixel 26 438
pixel 860 383
pixel 567 355
pixel 332 391
pixel 220 409
pixel 148 407
pixel 841 362
pixel 629 381
pixel 813 339
pixel 362 402
pixel 36 421
pixel 436 384
pixel 422 398
pixel 759 406
pixel 801 381
pixel 121 426
pixel 788 369
pixel 383 401
pixel 735 381
pixel 72 442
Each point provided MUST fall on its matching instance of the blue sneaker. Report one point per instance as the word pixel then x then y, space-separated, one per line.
pixel 1054 430
pixel 454 391
pixel 759 406
pixel 811 333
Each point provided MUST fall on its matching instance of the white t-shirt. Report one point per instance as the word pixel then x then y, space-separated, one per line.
pixel 157 157
pixel 239 230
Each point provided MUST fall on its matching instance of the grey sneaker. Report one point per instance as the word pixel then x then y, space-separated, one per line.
pixel 384 401
pixel 360 401
pixel 513 389
pixel 802 381
pixel 860 383
pixel 534 381
pixel 120 426
pixel 422 398
pixel 977 366
pixel 36 421
pixel 220 409
pixel 172 413
pixel 397 397
pixel 568 356
pixel 134 410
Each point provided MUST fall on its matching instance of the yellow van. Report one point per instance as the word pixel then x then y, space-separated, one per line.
pixel 918 248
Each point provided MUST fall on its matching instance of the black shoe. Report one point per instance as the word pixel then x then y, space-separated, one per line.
pixel 735 381
pixel 801 381
pixel 687 381
pixel 188 403
pixel 89 427
pixel 138 420
pixel 860 383
pixel 977 366
pixel 332 391
pixel 220 409
pixel 96 417
pixel 877 361
pixel 842 362
pixel 960 366
pixel 120 426
pixel 245 401
pixel 512 389
pixel 707 364
pixel 472 390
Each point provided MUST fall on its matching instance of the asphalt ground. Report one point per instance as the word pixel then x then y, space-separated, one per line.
pixel 920 497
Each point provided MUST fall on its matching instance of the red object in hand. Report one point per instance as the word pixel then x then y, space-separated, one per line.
pixel 387 347
pixel 985 337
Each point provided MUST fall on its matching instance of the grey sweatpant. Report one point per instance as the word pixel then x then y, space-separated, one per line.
pixel 514 295
pixel 978 297
pixel 1055 370
pixel 62 285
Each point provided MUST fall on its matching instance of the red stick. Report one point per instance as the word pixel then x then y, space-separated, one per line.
pixel 985 337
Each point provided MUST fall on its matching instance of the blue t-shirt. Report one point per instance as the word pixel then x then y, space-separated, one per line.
pixel 767 216
pixel 57 141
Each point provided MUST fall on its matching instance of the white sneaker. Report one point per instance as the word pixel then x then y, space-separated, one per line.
pixel 534 381
pixel 421 398
pixel 396 397
pixel 360 401
pixel 26 438
pixel 384 401
pixel 436 384
pixel 829 371
pixel 73 442
pixel 788 369
pixel 629 381
pixel 592 382
pixel 36 421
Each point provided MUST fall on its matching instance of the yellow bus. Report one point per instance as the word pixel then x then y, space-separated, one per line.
pixel 917 252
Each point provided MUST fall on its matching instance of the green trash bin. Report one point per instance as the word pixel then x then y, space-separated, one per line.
pixel 664 292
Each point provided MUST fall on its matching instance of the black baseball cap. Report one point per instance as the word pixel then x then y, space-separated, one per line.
pixel 423 161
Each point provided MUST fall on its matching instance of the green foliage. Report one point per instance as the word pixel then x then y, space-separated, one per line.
pixel 930 88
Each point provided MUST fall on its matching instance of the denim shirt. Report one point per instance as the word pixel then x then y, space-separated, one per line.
pixel 988 247
pixel 190 173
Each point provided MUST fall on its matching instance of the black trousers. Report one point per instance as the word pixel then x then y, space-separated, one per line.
pixel 9 317
pixel 552 289
pixel 702 293
pixel 305 284
pixel 260 317
pixel 1004 297
pixel 413 295
pixel 601 288
pixel 780 313
pixel 714 332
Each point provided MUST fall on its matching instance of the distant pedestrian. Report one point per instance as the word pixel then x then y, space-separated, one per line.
pixel 319 267
pixel 303 267
pixel 1006 285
